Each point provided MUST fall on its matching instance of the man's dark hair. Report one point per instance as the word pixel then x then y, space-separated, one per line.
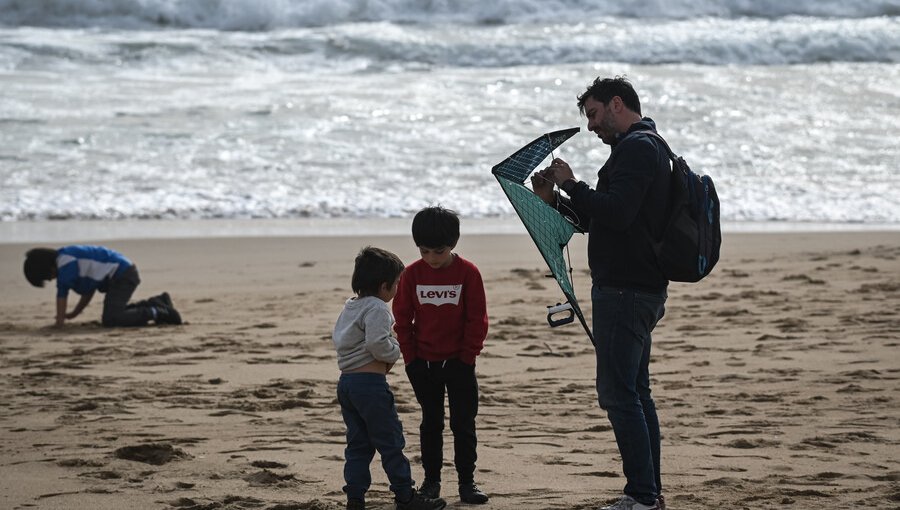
pixel 40 265
pixel 604 89
pixel 434 227
pixel 373 267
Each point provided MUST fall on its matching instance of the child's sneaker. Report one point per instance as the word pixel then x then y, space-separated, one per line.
pixel 420 502
pixel 163 299
pixel 166 315
pixel 629 503
pixel 470 493
pixel 430 489
pixel 356 504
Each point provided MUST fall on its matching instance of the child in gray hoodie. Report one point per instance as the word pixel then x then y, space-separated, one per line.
pixel 367 350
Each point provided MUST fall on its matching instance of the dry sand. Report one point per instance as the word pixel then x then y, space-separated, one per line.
pixel 776 381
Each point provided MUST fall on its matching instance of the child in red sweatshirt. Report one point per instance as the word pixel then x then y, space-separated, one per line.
pixel 441 323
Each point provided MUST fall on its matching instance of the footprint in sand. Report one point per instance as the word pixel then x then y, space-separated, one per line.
pixel 226 502
pixel 156 454
pixel 79 463
pixel 102 475
pixel 266 478
pixel 268 464
pixel 802 278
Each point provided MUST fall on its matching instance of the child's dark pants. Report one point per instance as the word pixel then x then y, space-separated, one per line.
pixel 429 380
pixel 116 310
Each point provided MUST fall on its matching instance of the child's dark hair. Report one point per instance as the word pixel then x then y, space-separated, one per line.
pixel 40 265
pixel 434 227
pixel 373 267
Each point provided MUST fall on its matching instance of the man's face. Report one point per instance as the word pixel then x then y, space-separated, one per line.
pixel 600 119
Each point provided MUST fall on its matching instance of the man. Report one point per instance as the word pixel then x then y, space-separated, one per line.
pixel 622 215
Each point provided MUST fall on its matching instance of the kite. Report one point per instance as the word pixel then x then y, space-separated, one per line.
pixel 549 229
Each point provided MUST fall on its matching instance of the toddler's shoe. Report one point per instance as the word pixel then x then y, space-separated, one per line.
pixel 420 502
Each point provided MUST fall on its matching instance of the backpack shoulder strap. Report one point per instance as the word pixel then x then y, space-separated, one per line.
pixel 659 137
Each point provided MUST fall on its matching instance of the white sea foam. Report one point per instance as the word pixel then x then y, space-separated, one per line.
pixel 792 107
pixel 375 47
pixel 253 15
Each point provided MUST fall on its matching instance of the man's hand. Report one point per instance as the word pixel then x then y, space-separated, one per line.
pixel 543 181
pixel 543 187
pixel 559 171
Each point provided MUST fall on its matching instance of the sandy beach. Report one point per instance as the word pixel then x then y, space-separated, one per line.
pixel 776 381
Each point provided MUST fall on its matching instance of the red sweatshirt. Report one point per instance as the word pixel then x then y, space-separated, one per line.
pixel 441 313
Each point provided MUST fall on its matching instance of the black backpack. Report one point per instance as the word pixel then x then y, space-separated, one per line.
pixel 689 246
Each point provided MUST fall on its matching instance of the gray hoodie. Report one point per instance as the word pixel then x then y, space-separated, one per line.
pixel 363 333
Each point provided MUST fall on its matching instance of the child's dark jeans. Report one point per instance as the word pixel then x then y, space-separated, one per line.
pixel 116 310
pixel 367 406
pixel 431 381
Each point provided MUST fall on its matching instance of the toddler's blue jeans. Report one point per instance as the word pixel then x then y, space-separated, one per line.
pixel 367 405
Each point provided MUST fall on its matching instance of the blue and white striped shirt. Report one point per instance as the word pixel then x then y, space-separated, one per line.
pixel 85 269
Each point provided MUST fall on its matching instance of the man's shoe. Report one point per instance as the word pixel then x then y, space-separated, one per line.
pixel 629 503
pixel 356 504
pixel 430 489
pixel 661 502
pixel 470 493
pixel 420 502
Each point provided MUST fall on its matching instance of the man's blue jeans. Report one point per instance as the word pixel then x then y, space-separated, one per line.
pixel 370 414
pixel 623 321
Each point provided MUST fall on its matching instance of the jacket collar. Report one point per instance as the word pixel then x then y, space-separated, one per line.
pixel 643 124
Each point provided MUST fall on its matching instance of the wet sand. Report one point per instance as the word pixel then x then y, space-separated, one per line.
pixel 776 381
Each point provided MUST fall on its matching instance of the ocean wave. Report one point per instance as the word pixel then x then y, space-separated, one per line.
pixel 379 46
pixel 253 15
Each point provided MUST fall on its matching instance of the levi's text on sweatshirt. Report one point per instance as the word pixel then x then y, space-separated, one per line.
pixel 441 313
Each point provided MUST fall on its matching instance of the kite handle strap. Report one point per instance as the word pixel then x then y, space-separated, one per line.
pixel 560 308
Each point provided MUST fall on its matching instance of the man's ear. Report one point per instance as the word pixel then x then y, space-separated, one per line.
pixel 616 104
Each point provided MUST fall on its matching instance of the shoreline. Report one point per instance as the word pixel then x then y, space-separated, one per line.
pixel 70 231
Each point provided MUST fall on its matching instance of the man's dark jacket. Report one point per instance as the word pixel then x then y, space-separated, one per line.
pixel 626 211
